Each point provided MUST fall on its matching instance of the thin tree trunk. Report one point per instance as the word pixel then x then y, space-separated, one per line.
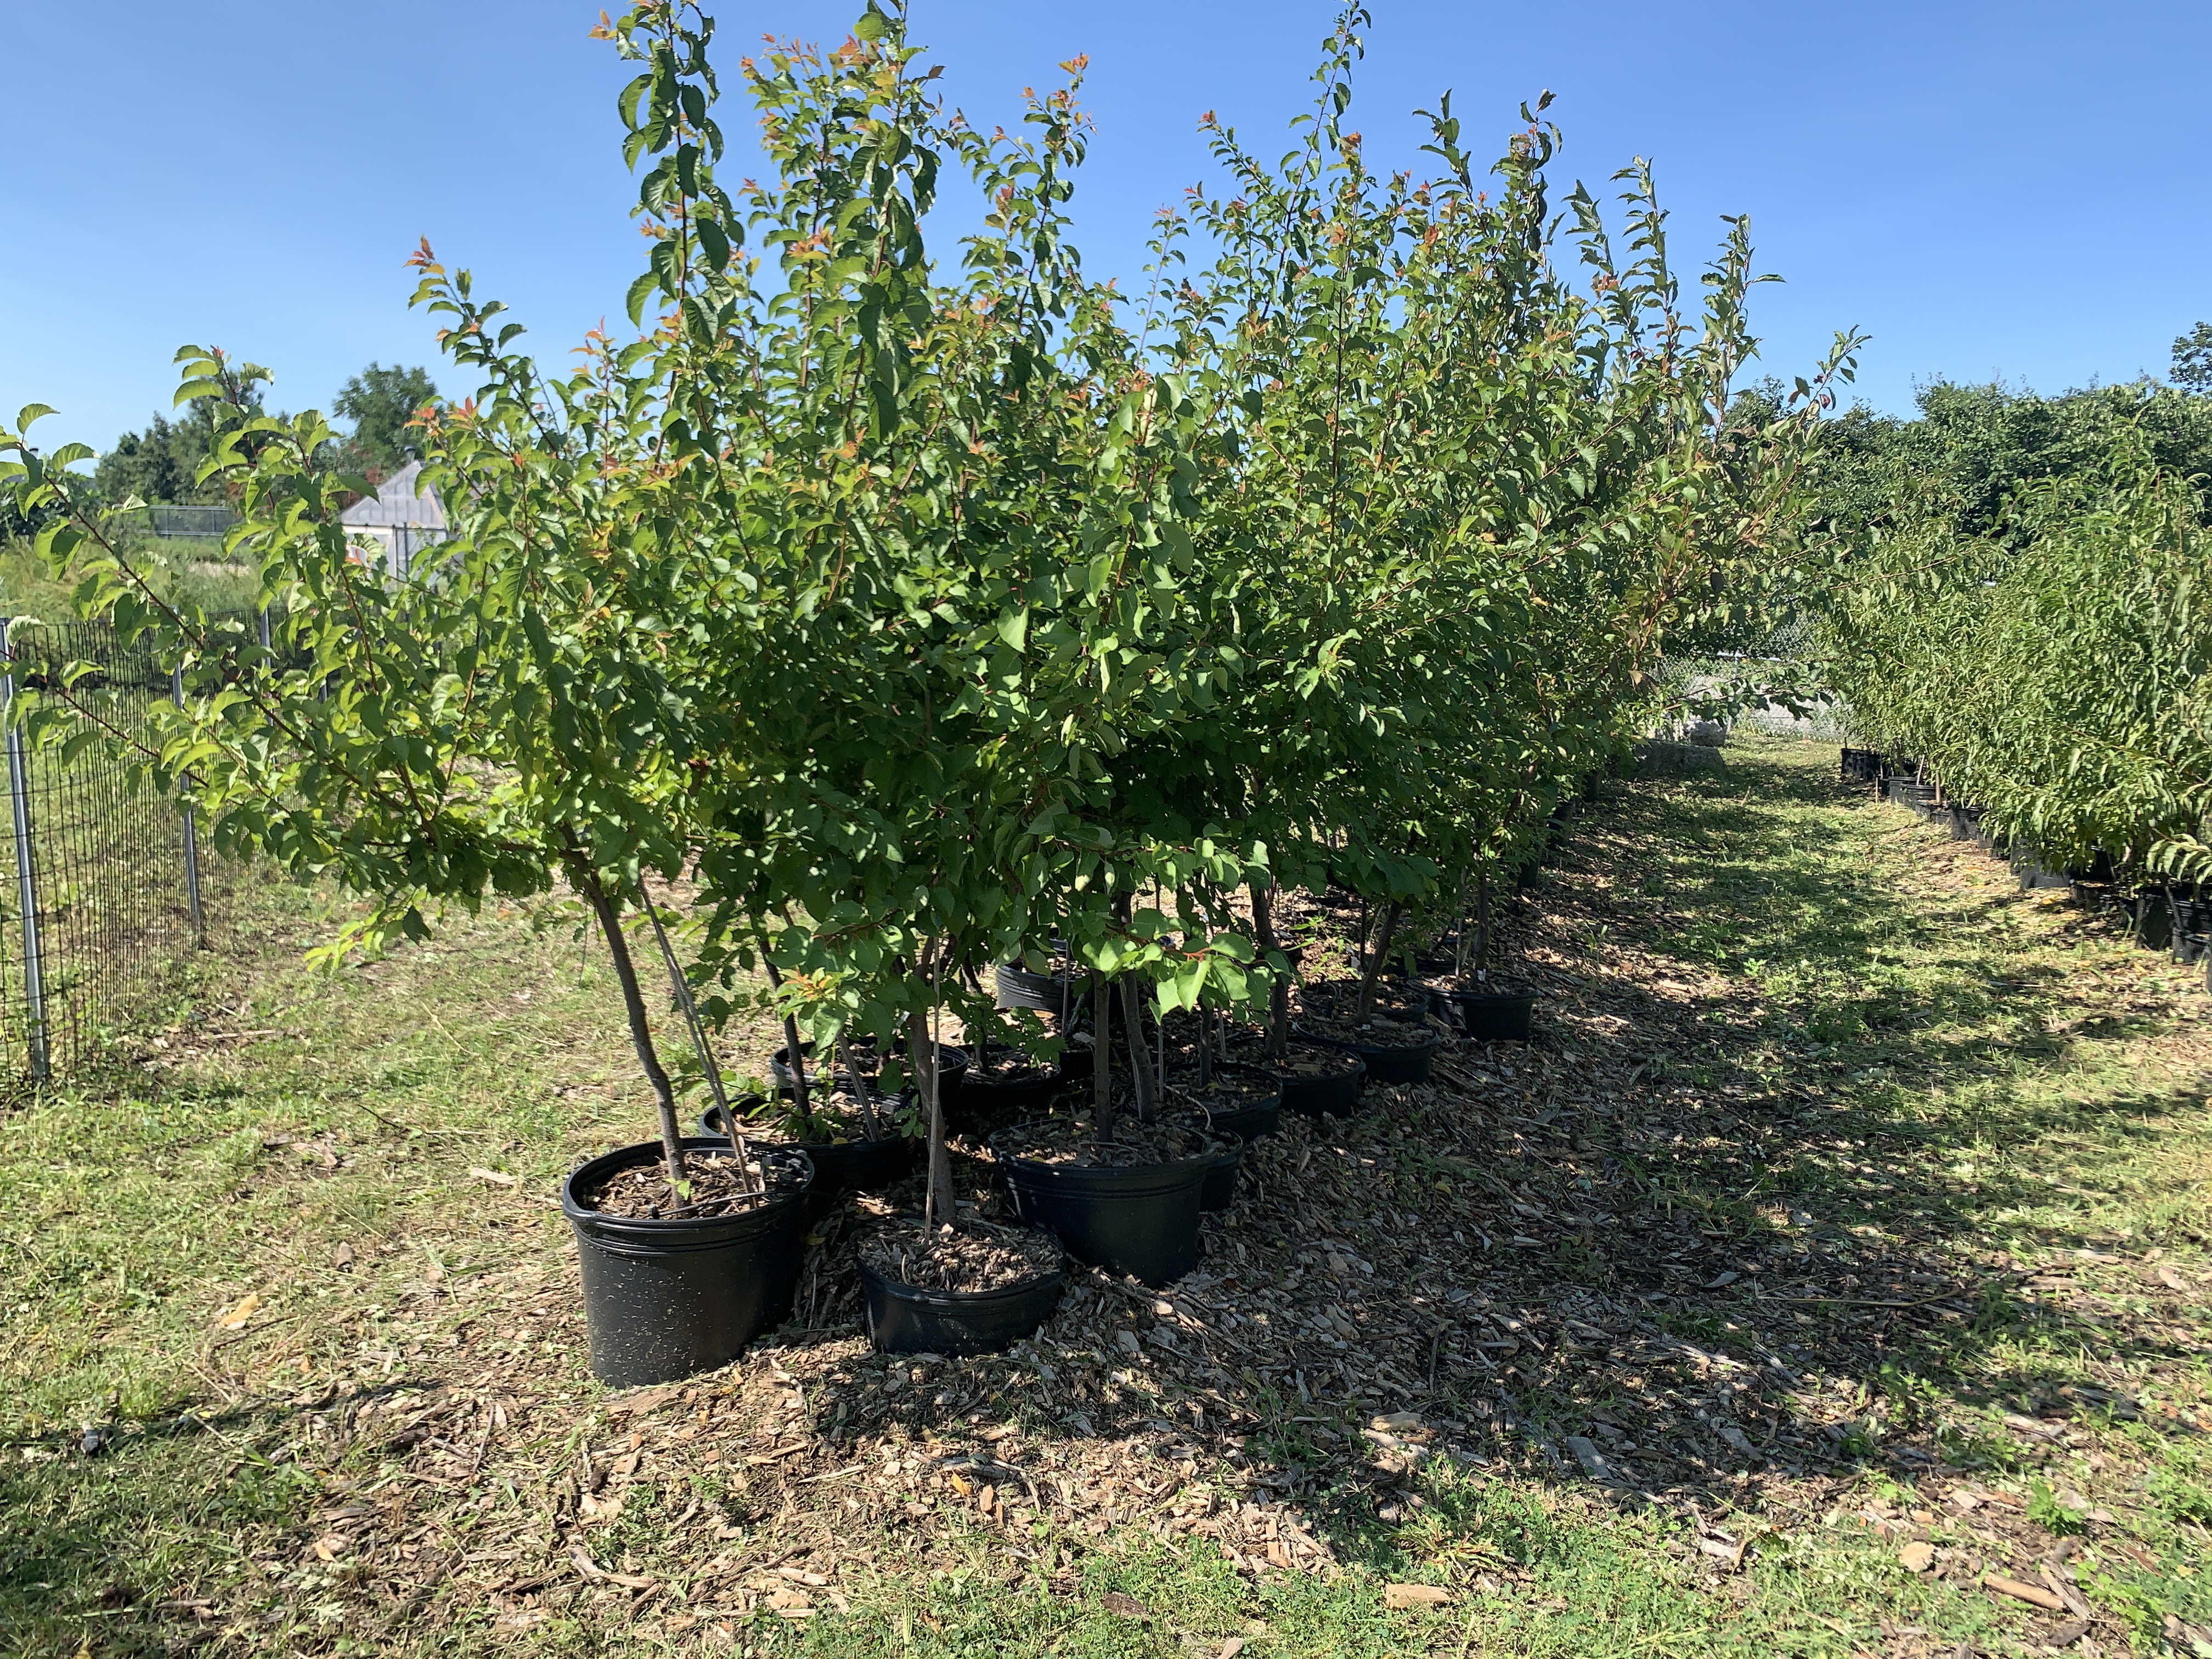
pixel 640 1032
pixel 1376 958
pixel 1279 999
pixel 863 1090
pixel 1459 944
pixel 937 1208
pixel 1140 1062
pixel 1482 927
pixel 1101 1056
pixel 791 1050
pixel 707 1062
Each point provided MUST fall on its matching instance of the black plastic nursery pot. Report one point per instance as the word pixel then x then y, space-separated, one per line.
pixel 841 1167
pixel 2153 920
pixel 1041 993
pixel 1385 1064
pixel 982 1099
pixel 907 1319
pixel 1141 1221
pixel 1336 1095
pixel 1246 1123
pixel 2034 877
pixel 1503 1015
pixel 1918 797
pixel 667 1299
pixel 1220 1187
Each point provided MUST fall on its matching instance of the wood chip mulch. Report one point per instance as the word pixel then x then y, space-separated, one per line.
pixel 1552 1262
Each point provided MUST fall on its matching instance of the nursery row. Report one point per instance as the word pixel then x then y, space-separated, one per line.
pixel 2161 915
pixel 873 625
pixel 2049 675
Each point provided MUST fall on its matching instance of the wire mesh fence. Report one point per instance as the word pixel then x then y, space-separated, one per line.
pixel 102 889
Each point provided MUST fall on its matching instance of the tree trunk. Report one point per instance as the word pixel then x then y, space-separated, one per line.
pixel 1140 1062
pixel 863 1090
pixel 1101 1056
pixel 1459 917
pixel 1278 997
pixel 937 1209
pixel 1482 927
pixel 640 1032
pixel 790 1051
pixel 1375 959
pixel 682 987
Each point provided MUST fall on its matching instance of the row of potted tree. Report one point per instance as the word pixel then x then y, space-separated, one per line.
pixel 913 645
pixel 2051 676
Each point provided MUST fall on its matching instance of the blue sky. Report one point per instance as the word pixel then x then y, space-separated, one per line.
pixel 2015 191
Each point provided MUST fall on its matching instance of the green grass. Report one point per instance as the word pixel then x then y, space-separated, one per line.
pixel 1877 1059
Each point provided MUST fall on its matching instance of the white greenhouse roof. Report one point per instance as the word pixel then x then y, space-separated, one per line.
pixel 397 503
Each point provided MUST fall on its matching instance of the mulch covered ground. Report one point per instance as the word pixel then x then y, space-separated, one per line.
pixel 1556 1262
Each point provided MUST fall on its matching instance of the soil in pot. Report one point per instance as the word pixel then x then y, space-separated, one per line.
pixel 1003 1086
pixel 973 1289
pixel 834 1135
pixel 1128 1203
pixel 670 1293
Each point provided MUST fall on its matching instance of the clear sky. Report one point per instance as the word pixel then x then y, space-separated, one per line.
pixel 2013 191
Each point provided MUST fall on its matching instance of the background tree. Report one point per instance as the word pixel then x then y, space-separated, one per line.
pixel 381 403
pixel 2192 359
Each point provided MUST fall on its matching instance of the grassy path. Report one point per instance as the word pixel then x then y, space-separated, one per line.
pixel 1842 1243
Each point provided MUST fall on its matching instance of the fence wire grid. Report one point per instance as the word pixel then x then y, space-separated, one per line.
pixel 102 891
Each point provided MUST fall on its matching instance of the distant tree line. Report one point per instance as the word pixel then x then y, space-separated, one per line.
pixel 1974 450
pixel 2018 599
pixel 159 462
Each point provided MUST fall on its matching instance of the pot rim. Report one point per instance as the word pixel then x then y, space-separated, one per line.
pixel 1435 1040
pixel 646 1152
pixel 1520 991
pixel 965 1301
pixel 1001 1155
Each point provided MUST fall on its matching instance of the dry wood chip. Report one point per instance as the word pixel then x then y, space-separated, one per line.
pixel 2034 1594
pixel 1404 1598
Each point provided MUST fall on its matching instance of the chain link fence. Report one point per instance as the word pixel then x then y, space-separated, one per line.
pixel 101 874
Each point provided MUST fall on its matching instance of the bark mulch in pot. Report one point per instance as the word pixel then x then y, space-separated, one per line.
pixel 975 1257
pixel 1370 1033
pixel 718 1189
pixel 1073 1142
pixel 833 1118
pixel 1302 1060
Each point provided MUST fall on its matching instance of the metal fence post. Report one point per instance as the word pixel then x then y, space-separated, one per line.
pixel 192 838
pixel 26 879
